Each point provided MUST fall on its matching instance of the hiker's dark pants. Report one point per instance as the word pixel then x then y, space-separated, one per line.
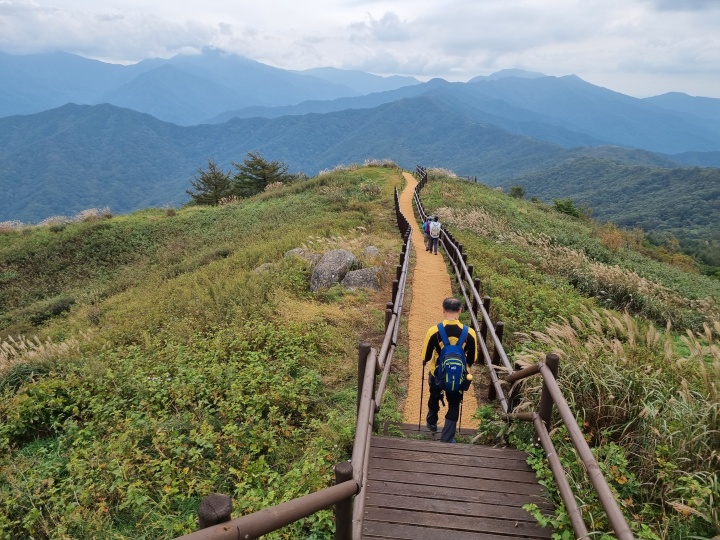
pixel 434 244
pixel 453 412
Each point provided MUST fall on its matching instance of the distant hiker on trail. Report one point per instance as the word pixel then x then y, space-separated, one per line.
pixel 451 348
pixel 426 232
pixel 434 231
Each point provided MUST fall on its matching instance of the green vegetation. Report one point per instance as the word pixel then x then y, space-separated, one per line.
pixel 180 354
pixel 253 176
pixel 210 186
pixel 672 205
pixel 638 342
pixel 148 360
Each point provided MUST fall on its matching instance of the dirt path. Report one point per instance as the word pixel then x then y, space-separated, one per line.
pixel 430 285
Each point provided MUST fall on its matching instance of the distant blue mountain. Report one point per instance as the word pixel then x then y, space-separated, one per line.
pixel 359 81
pixel 702 108
pixel 562 110
pixel 185 89
pixel 504 73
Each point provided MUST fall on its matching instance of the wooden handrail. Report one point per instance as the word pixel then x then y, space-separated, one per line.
pixel 595 475
pixel 265 521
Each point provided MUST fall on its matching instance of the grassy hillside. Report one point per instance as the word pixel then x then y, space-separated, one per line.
pixel 181 354
pixel 638 344
pixel 684 202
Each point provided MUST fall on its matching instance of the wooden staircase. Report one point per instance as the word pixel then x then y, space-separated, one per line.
pixel 421 489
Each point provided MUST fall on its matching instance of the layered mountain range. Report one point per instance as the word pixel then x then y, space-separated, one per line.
pixel 77 133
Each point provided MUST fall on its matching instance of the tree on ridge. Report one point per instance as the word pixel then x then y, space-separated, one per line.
pixel 211 185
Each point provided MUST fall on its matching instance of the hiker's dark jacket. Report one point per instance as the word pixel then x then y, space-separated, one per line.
pixel 433 343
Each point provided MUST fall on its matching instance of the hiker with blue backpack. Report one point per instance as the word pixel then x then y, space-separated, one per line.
pixel 450 348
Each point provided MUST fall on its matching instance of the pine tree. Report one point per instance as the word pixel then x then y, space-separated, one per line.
pixel 211 185
pixel 255 172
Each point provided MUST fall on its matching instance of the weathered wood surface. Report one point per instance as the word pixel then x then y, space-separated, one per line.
pixel 419 489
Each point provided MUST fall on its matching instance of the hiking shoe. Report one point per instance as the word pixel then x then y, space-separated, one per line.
pixel 432 427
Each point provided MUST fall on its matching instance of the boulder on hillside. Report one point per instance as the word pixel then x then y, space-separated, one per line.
pixel 365 278
pixel 371 252
pixel 331 269
pixel 308 255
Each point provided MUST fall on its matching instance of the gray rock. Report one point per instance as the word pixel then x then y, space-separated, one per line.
pixel 309 256
pixel 331 269
pixel 365 278
pixel 371 252
pixel 265 267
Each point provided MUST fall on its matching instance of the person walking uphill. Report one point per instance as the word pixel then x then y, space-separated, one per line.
pixel 451 348
pixel 434 230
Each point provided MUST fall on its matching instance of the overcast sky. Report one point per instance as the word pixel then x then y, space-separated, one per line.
pixel 637 47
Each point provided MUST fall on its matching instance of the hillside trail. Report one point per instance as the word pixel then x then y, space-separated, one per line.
pixel 430 286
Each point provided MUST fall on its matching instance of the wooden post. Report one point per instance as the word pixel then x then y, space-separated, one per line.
pixel 483 326
pixel 514 393
pixel 499 328
pixel 546 402
pixel 343 509
pixel 214 509
pixel 395 287
pixel 492 394
pixel 476 305
pixel 398 271
pixel 471 269
pixel 363 351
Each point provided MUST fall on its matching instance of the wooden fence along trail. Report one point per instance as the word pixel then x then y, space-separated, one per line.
pixel 414 489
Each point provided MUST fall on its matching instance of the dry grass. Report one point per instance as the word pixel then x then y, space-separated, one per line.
pixel 274 186
pixel 638 385
pixel 7 226
pixel 233 199
pixel 612 286
pixel 31 350
pixel 439 172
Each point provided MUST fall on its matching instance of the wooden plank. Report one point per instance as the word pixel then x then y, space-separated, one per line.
pixel 459 449
pixel 412 430
pixel 397 531
pixel 455 493
pixel 491 462
pixel 423 490
pixel 429 470
pixel 450 507
pixel 447 526
pixel 459 482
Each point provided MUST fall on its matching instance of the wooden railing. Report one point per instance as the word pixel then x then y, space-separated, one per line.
pixel 498 365
pixel 214 514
